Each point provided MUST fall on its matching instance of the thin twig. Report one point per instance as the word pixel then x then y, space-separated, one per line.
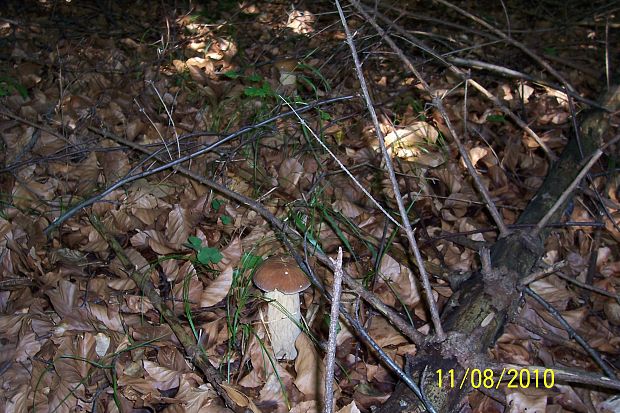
pixel 589 287
pixel 333 332
pixel 178 161
pixel 170 118
pixel 548 336
pixel 571 332
pixel 563 374
pixel 413 245
pixel 439 105
pixel 38 126
pixel 402 325
pixel 560 201
pixel 544 272
pixel 154 126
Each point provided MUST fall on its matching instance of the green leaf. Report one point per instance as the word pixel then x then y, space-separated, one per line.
pixel 216 203
pixel 255 77
pixel 195 242
pixel 496 118
pixel 226 220
pixel 208 255
pixel 233 74
pixel 250 261
pixel 552 51
pixel 324 115
pixel 262 92
pixel 9 85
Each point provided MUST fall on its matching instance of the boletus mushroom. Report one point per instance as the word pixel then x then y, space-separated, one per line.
pixel 282 280
pixel 287 76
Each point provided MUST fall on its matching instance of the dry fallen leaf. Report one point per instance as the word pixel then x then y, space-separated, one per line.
pixel 413 143
pixel 310 369
pixel 350 408
pixel 218 289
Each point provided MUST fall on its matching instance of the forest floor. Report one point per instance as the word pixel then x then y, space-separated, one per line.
pixel 153 154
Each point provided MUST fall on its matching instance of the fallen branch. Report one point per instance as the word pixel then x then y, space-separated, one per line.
pixel 96 198
pixel 477 312
pixel 391 315
pixel 413 244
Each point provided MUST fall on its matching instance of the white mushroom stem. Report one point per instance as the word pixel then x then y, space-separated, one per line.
pixel 283 317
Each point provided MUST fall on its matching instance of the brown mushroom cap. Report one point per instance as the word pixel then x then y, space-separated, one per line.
pixel 281 273
pixel 287 65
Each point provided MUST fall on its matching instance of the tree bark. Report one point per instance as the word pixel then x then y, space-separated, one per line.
pixel 477 312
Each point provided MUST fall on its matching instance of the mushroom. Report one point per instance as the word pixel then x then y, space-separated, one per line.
pixel 282 281
pixel 287 76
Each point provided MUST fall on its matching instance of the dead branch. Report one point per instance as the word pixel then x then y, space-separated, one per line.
pixel 413 244
pixel 475 316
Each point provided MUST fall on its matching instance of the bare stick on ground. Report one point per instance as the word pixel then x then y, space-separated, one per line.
pixel 572 333
pixel 413 244
pixel 503 230
pixel 333 331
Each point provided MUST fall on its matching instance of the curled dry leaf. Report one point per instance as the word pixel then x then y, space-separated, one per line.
pixel 218 289
pixel 347 208
pixel 163 377
pixel 289 173
pixel 179 227
pixel 301 22
pixel 350 408
pixel 612 311
pixel 240 398
pixel 194 399
pixel 526 400
pixel 277 389
pixel 103 343
pixel 477 153
pixel 231 255
pixel 115 164
pixel 553 290
pixel 310 369
pixel 384 333
pixel 414 143
pixel 27 347
pixel 401 281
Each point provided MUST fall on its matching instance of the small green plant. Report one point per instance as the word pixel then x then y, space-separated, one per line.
pixel 255 77
pixel 8 85
pixel 552 51
pixel 216 204
pixel 233 74
pixel 263 91
pixel 308 80
pixel 324 115
pixel 204 254
pixel 240 292
pixel 496 118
